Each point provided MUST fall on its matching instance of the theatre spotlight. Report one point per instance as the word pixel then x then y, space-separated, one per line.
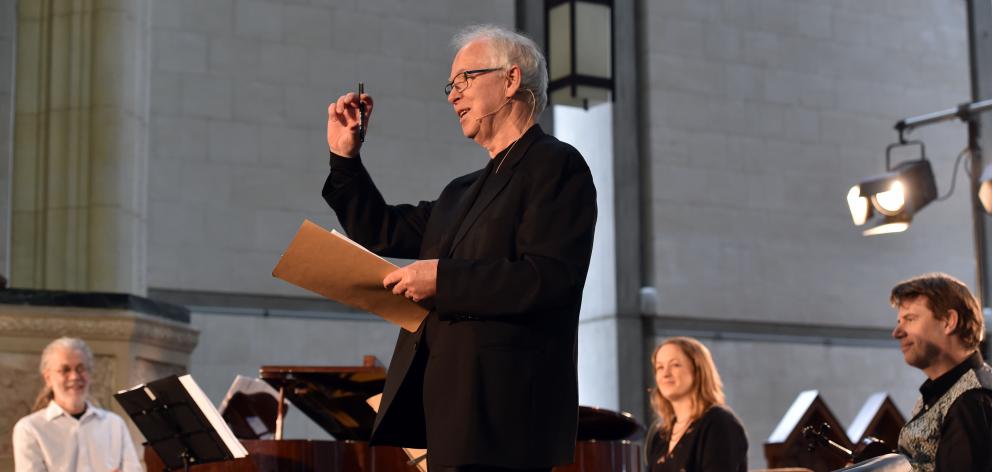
pixel 887 203
pixel 985 189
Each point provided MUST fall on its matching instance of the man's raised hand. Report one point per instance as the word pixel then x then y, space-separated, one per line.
pixel 343 124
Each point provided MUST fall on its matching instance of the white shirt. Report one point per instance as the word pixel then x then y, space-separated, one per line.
pixel 52 440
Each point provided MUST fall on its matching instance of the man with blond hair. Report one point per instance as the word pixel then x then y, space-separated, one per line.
pixel 67 432
pixel 939 329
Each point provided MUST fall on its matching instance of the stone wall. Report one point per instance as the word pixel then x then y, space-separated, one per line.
pixel 239 92
pixel 761 116
pixel 238 109
pixel 756 117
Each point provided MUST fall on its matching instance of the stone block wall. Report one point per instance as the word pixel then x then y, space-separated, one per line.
pixel 238 106
pixel 756 118
pixel 760 117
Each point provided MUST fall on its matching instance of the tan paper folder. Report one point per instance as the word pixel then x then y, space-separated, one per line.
pixel 336 267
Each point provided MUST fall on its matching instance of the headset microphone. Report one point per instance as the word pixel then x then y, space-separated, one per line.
pixel 507 102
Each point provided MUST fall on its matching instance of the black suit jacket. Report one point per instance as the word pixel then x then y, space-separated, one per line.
pixel 498 384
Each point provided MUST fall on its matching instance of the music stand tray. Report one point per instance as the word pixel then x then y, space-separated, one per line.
pixel 179 422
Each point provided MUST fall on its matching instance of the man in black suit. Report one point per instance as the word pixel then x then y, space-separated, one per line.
pixel 488 382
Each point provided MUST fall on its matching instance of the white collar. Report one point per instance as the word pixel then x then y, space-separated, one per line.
pixel 54 411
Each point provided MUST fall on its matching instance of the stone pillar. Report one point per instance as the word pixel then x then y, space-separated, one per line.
pixel 80 145
pixel 628 175
pixel 611 338
pixel 134 340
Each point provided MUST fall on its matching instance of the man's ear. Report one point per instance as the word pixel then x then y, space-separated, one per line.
pixel 513 78
pixel 951 322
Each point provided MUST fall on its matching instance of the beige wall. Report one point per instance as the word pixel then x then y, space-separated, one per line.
pixel 756 118
pixel 760 117
pixel 238 106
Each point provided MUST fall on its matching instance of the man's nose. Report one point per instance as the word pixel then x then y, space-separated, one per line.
pixel 898 332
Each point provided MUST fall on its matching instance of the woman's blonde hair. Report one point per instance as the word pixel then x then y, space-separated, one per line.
pixel 707 389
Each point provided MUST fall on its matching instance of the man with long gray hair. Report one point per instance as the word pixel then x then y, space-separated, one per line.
pixel 66 431
pixel 488 381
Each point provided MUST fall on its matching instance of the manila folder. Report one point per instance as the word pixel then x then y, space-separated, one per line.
pixel 338 268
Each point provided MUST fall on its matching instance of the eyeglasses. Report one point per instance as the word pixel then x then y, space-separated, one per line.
pixel 65 370
pixel 460 82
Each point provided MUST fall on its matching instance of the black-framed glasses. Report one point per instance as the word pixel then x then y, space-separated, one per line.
pixel 460 82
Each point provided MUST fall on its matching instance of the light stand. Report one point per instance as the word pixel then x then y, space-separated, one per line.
pixel 968 113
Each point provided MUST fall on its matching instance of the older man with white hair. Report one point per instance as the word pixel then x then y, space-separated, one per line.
pixel 488 382
pixel 68 432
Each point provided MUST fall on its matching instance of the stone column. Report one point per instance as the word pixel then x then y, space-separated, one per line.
pixel 628 175
pixel 80 145
pixel 611 339
pixel 134 340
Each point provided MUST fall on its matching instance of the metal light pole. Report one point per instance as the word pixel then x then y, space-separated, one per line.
pixel 969 113
pixel 979 137
pixel 979 132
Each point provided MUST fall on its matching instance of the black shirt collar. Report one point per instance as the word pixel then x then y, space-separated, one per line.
pixel 81 413
pixel 932 390
pixel 518 146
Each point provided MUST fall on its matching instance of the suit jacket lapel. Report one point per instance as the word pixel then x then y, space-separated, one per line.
pixel 463 207
pixel 495 184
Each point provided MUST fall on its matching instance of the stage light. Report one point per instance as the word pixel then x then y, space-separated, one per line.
pixel 985 189
pixel 887 203
pixel 891 201
pixel 858 205
pixel 888 227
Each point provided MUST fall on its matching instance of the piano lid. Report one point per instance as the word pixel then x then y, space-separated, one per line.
pixel 333 397
pixel 598 424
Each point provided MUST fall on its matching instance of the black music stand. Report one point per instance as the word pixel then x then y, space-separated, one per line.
pixel 175 418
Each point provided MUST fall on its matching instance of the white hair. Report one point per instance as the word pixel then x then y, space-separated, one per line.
pixel 66 342
pixel 508 48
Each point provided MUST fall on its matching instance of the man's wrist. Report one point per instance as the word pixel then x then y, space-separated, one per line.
pixel 338 161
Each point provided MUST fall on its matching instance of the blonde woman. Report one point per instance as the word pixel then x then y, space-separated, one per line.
pixel 695 430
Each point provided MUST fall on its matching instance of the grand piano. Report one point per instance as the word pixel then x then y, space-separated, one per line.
pixel 335 399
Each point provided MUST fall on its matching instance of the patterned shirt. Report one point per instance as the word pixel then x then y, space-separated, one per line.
pixel 951 425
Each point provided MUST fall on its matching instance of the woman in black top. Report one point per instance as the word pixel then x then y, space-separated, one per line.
pixel 695 431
